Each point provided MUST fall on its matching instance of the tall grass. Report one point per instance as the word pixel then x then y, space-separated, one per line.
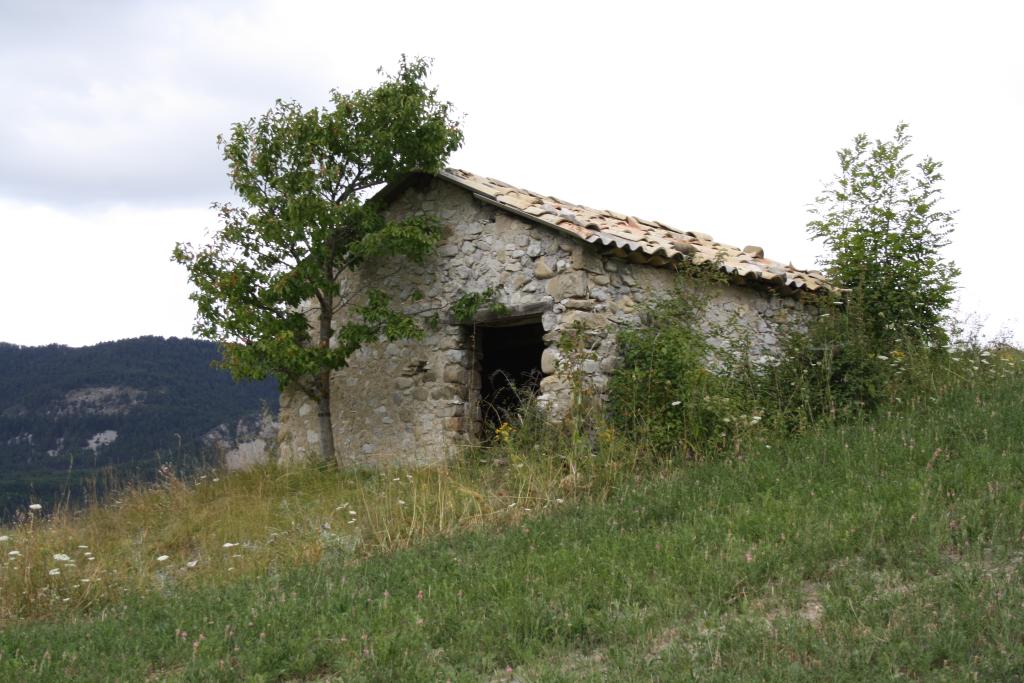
pixel 216 527
pixel 565 549
pixel 886 546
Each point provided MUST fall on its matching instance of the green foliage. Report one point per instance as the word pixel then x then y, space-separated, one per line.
pixel 675 390
pixel 834 369
pixel 302 176
pixel 466 307
pixel 884 226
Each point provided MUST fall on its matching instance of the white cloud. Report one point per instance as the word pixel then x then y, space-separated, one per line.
pixel 720 116
pixel 78 278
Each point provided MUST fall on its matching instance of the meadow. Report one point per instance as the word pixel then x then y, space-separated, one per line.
pixel 885 546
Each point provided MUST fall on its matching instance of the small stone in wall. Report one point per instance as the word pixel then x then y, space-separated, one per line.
pixel 453 373
pixel 586 259
pixel 625 303
pixel 549 361
pixel 571 285
pixel 542 271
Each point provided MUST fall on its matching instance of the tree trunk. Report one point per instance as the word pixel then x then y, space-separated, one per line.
pixel 327 452
pixel 324 414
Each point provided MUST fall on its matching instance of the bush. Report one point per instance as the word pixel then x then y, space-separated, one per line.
pixel 885 228
pixel 676 391
pixel 834 368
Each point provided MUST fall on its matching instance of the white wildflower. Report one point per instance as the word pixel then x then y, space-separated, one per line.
pixel 84 547
pixel 675 403
pixel 5 538
pixel 191 564
pixel 352 512
pixel 61 557
pixel 14 553
pixel 54 572
pixel 163 558
pixel 229 544
pixel 35 506
pixel 881 357
pixel 401 502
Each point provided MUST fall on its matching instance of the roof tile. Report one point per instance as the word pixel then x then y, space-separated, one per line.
pixel 636 235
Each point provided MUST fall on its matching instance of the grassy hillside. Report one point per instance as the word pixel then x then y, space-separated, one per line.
pixel 887 547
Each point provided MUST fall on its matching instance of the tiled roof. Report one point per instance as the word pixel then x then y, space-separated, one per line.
pixel 637 239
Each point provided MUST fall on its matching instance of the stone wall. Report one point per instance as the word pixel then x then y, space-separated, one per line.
pixel 413 402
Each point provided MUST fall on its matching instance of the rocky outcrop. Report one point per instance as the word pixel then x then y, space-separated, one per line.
pixel 251 441
pixel 112 400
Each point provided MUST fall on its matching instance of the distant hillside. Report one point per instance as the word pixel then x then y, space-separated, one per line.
pixel 68 414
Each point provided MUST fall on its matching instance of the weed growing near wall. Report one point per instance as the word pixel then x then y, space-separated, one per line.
pixel 688 385
pixel 677 391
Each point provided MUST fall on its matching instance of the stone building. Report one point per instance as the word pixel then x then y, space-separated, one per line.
pixel 552 265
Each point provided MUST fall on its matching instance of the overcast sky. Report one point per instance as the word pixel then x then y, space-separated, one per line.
pixel 722 117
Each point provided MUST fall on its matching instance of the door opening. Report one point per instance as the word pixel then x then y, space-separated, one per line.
pixel 509 364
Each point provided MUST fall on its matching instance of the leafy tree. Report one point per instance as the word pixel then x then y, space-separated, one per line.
pixel 882 222
pixel 267 286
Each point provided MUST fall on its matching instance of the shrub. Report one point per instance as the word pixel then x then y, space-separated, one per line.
pixel 883 224
pixel 676 391
pixel 834 368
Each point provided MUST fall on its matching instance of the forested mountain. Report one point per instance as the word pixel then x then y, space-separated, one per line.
pixel 71 415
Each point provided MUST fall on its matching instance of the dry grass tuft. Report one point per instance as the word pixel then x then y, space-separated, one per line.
pixel 219 526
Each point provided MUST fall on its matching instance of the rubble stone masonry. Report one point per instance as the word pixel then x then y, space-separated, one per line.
pixel 414 402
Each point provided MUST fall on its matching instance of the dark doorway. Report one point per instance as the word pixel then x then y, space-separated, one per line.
pixel 509 362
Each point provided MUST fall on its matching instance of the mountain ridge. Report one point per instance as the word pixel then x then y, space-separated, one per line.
pixel 71 414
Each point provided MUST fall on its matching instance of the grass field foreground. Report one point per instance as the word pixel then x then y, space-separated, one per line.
pixel 891 547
